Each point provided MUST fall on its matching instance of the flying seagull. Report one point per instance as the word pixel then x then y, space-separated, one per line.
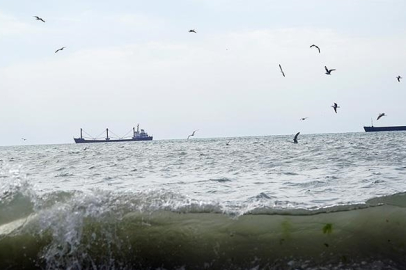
pixel 60 49
pixel 304 118
pixel 328 71
pixel 192 31
pixel 315 47
pixel 295 138
pixel 38 18
pixel 335 106
pixel 281 70
pixel 24 139
pixel 191 135
pixel 380 115
pixel 398 77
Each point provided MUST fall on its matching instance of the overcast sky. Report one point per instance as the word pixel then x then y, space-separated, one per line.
pixel 130 61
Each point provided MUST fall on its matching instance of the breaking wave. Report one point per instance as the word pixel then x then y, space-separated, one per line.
pixel 159 229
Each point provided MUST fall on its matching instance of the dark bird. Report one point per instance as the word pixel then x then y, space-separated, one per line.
pixel 38 18
pixel 228 143
pixel 280 67
pixel 380 115
pixel 60 49
pixel 295 138
pixel 335 106
pixel 191 135
pixel 304 118
pixel 192 31
pixel 315 47
pixel 398 77
pixel 24 139
pixel 328 71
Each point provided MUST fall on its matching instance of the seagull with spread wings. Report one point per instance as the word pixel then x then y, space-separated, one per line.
pixel 192 31
pixel 295 138
pixel 380 115
pixel 38 18
pixel 315 46
pixel 60 49
pixel 191 135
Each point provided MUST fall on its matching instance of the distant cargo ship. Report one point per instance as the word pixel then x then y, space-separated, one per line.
pixel 391 128
pixel 137 136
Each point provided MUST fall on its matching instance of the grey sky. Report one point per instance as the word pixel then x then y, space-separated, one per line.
pixel 129 62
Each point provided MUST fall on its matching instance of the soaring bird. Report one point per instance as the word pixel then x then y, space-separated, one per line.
pixel 191 135
pixel 380 115
pixel 192 31
pixel 295 138
pixel 328 71
pixel 24 139
pixel 304 118
pixel 280 67
pixel 60 49
pixel 335 106
pixel 38 18
pixel 315 47
pixel 398 77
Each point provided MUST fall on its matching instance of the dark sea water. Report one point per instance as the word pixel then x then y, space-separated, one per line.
pixel 332 201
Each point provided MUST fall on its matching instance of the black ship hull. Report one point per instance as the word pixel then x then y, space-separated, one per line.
pixel 392 128
pixel 81 140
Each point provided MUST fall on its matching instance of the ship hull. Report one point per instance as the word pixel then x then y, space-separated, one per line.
pixel 81 140
pixel 392 128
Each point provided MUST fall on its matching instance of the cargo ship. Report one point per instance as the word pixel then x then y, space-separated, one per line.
pixel 138 135
pixel 390 128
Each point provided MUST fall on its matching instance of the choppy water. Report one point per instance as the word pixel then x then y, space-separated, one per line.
pixel 333 201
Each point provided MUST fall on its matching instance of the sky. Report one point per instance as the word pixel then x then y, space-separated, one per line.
pixel 128 62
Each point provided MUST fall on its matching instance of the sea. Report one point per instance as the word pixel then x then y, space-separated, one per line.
pixel 332 201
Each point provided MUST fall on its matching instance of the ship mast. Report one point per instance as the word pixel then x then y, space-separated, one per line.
pixel 107 132
pixel 81 133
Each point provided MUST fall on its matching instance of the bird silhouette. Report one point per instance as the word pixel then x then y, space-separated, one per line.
pixel 295 138
pixel 280 67
pixel 191 135
pixel 304 118
pixel 398 77
pixel 328 71
pixel 38 18
pixel 335 106
pixel 317 47
pixel 60 49
pixel 192 31
pixel 380 115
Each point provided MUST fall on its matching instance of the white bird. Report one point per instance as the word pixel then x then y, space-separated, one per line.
pixel 380 115
pixel 328 71
pixel 315 47
pixel 335 106
pixel 38 18
pixel 191 135
pixel 60 49
pixel 295 138
pixel 280 67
